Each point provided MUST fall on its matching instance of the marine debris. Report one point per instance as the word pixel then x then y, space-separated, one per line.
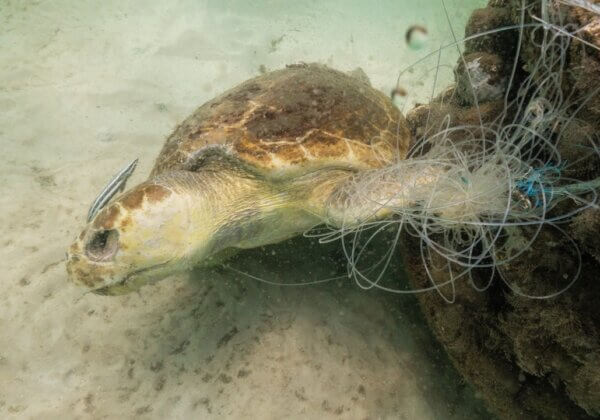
pixel 526 86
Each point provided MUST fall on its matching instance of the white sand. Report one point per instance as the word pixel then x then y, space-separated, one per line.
pixel 85 86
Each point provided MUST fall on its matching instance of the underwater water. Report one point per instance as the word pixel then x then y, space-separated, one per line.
pixel 85 87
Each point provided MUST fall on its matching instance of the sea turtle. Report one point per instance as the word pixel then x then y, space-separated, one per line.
pixel 261 163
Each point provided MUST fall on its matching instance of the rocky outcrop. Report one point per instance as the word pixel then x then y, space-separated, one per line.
pixel 529 358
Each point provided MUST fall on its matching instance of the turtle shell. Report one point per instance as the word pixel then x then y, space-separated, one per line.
pixel 290 121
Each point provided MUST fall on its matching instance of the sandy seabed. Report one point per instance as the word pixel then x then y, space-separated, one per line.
pixel 87 86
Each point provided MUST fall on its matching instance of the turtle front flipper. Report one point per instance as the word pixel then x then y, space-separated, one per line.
pixel 377 194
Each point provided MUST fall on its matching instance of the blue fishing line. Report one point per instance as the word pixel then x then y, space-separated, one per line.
pixel 533 187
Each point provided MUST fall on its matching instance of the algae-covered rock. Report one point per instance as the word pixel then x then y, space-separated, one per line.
pixel 529 358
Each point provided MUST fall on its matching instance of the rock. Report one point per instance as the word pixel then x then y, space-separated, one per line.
pixel 487 19
pixel 585 228
pixel 527 358
pixel 480 77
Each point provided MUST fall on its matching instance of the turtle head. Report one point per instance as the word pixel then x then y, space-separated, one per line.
pixel 177 220
pixel 139 237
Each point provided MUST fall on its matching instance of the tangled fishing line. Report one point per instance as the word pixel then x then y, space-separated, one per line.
pixel 470 202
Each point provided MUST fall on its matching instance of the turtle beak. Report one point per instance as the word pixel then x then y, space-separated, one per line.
pixel 113 290
pixel 134 280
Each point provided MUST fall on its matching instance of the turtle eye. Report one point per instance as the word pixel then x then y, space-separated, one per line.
pixel 102 245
